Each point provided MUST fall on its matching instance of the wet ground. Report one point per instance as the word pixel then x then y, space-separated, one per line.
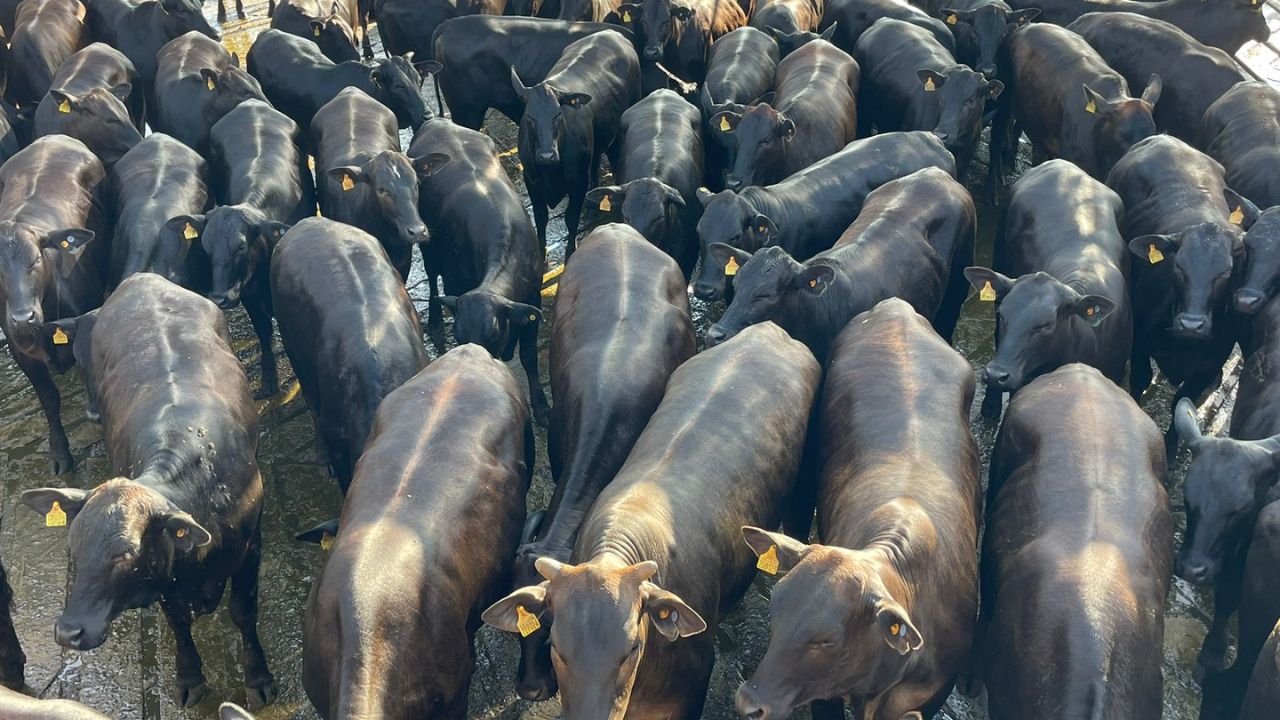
pixel 131 675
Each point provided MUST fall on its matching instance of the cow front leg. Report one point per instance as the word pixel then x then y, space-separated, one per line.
pixel 191 685
pixel 12 660
pixel 529 361
pixel 259 685
pixel 222 11
pixel 257 305
pixel 60 460
pixel 1226 600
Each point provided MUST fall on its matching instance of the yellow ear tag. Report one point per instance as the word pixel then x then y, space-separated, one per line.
pixel 626 16
pixel 1092 107
pixel 315 31
pixel 64 106
pixel 731 267
pixel 987 293
pixel 1237 216
pixel 928 85
pixel 211 84
pixel 951 19
pixel 55 517
pixel 605 205
pixel 768 562
pixel 347 183
pixel 60 336
pixel 526 622
pixel 326 542
pixel 724 124
pixel 189 232
pixel 1153 254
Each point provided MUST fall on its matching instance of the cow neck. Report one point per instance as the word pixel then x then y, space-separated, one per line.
pixel 619 549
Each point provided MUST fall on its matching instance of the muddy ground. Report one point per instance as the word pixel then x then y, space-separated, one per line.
pixel 131 676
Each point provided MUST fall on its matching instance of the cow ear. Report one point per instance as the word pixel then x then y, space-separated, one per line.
pixel 62 100
pixel 829 32
pixel 426 67
pixel 670 615
pixel 375 76
pixel 777 553
pixel 1024 16
pixel 430 164
pixel 728 257
pixel 681 13
pixel 1151 94
pixel 1186 423
pixel 1093 308
pixel 705 196
pixel 675 198
pixel 787 129
pixel 725 121
pixel 980 277
pixel 522 90
pixel 317 534
pixel 955 17
pixel 449 301
pixel 65 330
pixel 1242 212
pixel 68 240
pixel 522 314
pixel 317 26
pixel 347 176
pixel 763 228
pixel 1093 102
pixel 235 59
pixel 766 99
pixel 69 501
pixel 272 232
pixel 1152 248
pixel 930 79
pixel 184 531
pixel 897 629
pixel 607 199
pixel 815 278
pixel 210 77
pixel 122 91
pixel 994 88
pixel 187 227
pixel 575 100
pixel 231 711
pixel 519 612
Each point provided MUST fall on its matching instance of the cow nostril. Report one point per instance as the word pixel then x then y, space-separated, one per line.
pixel 21 318
pixel 732 183
pixel 1193 323
pixel 67 635
pixel 1248 301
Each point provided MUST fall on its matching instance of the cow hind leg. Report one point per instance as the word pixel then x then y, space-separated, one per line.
pixel 239 9
pixel 191 685
pixel 222 11
pixel 60 460
pixel 260 686
pixel 12 660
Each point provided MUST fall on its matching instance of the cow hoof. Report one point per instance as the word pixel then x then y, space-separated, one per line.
pixel 240 14
pixel 260 694
pixel 189 696
pixel 268 389
pixel 61 463
pixel 1208 666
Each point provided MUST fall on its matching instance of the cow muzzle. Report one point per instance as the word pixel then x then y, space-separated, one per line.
pixel 1196 571
pixel 1193 325
pixel 998 377
pixel 653 54
pixel 1249 301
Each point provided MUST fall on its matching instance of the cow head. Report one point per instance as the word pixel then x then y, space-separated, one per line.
pixel 392 182
pixel 542 124
pixel 335 36
pixel 77 333
pixel 760 136
pixel 1034 325
pixel 989 25
pixel 769 285
pixel 727 219
pixel 172 258
pixel 1226 486
pixel 962 100
pixel 659 22
pixel 648 205
pixel 602 616
pixel 1251 10
pixel 100 119
pixel 1203 259
pixel 837 627
pixel 397 83
pixel 178 17
pixel 229 86
pixel 30 261
pixel 487 319
pixel 1118 124
pixel 1262 259
pixel 789 42
pixel 238 240
pixel 124 537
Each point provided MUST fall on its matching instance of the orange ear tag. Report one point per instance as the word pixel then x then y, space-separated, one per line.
pixel 347 183
pixel 768 562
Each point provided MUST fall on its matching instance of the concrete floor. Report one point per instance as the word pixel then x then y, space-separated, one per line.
pixel 130 677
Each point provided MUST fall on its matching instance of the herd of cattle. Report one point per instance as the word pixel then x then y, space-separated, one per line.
pixel 796 159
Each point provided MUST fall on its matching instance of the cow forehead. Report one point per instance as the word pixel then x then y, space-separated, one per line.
pixel 116 510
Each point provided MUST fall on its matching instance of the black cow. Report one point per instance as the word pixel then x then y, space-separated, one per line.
pixel 1061 281
pixel 896 398
pixel 52 203
pixel 96 97
pixel 259 178
pixel 1225 24
pixel 12 659
pixel 140 29
pixel 327 27
pixel 158 179
pixel 1264 687
pixel 851 18
pixel 807 212
pixel 182 517
pixel 912 240
pixel 1071 104
pixel 740 70
pixel 632 620
pixel 787 17
pixel 454 448
pixel 1076 555
pixel 485 249
pixel 678 34
pixel 1183 224
pixel 298 79
pixel 1258 610
pixel 408 25
pixel 659 172
pixel 1137 47
pixel 617 290
pixel 572 118
pixel 17 706
pixel 914 83
pixel 812 115
pixel 980 28
pixel 1261 279
pixel 45 34
pixel 478 53
pixel 367 181
pixel 348 355
pixel 586 10
pixel 197 82
pixel 1240 131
